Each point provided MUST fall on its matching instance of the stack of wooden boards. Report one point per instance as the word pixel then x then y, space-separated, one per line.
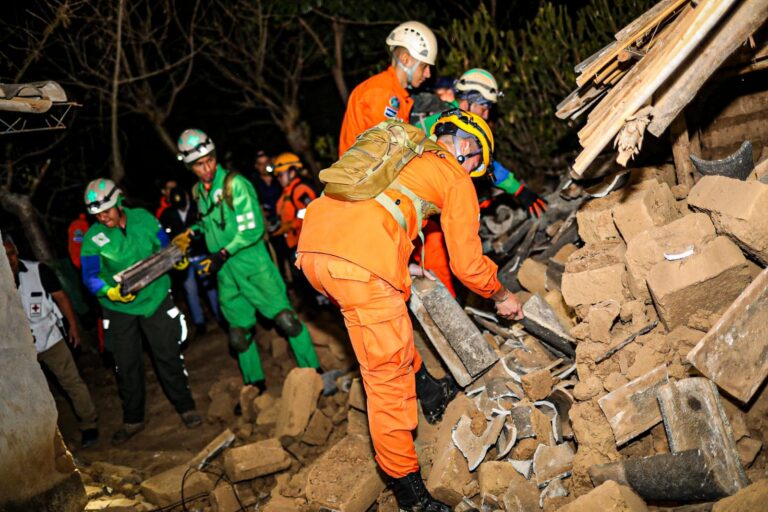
pixel 653 69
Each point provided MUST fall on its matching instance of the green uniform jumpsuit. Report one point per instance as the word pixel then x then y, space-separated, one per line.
pixel 248 281
pixel 107 251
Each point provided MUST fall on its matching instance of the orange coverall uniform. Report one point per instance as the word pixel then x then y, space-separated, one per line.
pixel 296 196
pixel 377 99
pixel 357 254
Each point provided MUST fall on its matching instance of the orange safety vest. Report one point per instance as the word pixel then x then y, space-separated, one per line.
pixel 377 99
pixel 366 234
pixel 296 196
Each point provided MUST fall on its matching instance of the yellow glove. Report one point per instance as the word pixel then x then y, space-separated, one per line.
pixel 181 264
pixel 182 241
pixel 114 295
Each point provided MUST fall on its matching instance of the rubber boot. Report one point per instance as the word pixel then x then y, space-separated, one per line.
pixel 412 495
pixel 433 394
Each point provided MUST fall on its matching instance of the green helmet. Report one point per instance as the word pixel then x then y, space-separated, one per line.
pixel 101 195
pixel 194 144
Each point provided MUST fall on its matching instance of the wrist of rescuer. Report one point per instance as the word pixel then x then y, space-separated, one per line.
pixel 501 295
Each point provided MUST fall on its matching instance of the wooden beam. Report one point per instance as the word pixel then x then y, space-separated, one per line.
pixel 648 75
pixel 681 151
pixel 719 44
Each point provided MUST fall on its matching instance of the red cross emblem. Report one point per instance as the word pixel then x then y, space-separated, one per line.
pixel 34 309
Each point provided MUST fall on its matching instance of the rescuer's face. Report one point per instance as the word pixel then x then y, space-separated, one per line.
pixel 205 168
pixel 110 218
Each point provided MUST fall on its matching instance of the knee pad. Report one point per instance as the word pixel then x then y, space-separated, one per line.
pixel 239 339
pixel 288 323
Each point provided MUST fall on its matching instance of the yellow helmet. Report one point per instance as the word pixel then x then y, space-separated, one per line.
pixel 452 122
pixel 285 162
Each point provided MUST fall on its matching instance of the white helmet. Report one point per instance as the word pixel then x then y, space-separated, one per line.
pixel 480 81
pixel 193 144
pixel 417 38
pixel 101 195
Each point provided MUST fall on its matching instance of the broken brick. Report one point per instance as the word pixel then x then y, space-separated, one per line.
pixel 537 384
pixel 247 395
pixel 652 207
pixel 702 284
pixel 533 276
pixel 357 398
pixel 500 480
pixel 737 209
pixel 608 497
pixel 318 429
pixel 165 488
pixel 301 391
pixel 647 249
pixel 255 460
pixel 595 273
pixel 750 498
pixel 550 462
pixel 345 478
pixel 357 422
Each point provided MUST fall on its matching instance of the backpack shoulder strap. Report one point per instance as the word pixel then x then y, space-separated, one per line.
pixel 228 195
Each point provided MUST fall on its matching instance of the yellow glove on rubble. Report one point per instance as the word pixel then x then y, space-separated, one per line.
pixel 114 295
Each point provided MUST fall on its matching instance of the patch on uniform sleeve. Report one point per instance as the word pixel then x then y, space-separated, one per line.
pixel 390 113
pixel 394 102
pixel 245 221
pixel 100 239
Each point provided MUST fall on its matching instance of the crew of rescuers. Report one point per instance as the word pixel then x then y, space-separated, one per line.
pixel 356 250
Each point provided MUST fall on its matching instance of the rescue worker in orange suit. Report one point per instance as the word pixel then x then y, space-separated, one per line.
pixel 294 200
pixel 385 95
pixel 477 91
pixel 291 207
pixel 356 253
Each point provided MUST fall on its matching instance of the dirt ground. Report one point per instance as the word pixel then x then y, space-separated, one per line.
pixel 165 442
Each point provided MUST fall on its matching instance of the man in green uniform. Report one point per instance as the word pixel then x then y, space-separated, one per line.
pixel 121 237
pixel 249 282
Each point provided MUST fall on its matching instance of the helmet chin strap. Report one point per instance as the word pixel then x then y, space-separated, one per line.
pixel 463 158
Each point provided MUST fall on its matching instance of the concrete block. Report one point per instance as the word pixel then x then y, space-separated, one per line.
pixel 450 473
pixel 595 218
pixel 649 247
pixel 700 285
pixel 608 497
pixel 737 208
pixel 255 460
pixel 165 488
pixel 694 418
pixel 301 390
pixel 345 478
pixel 734 353
pixel 223 498
pixel 654 206
pixel 318 429
pixel 533 276
pixel 595 273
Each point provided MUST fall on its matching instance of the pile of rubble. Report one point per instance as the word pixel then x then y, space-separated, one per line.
pixel 606 397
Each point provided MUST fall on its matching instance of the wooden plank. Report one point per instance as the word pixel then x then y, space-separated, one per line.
pixel 694 418
pixel 643 80
pixel 734 353
pixel 633 408
pixel 681 151
pixel 646 19
pixel 719 44
pixel 651 23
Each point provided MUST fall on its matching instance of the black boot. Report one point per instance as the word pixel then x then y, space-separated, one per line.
pixel 412 496
pixel 433 394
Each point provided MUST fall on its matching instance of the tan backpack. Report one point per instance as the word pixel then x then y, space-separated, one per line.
pixel 375 160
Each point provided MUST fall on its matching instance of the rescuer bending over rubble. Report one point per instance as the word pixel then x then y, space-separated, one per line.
pixel 354 248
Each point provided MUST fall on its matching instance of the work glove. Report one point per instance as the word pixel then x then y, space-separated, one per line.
pixel 531 201
pixel 182 264
pixel 213 263
pixel 182 241
pixel 115 295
